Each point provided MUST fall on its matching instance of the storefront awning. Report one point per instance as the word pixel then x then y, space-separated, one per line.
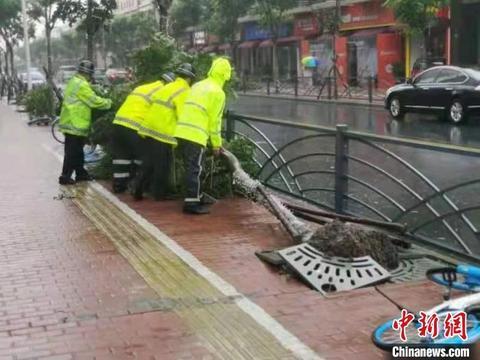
pixel 209 49
pixel 288 39
pixel 224 47
pixel 266 43
pixel 248 44
pixel 370 32
pixel 280 41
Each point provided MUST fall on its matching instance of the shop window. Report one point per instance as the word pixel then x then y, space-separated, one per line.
pixel 362 59
pixel 322 50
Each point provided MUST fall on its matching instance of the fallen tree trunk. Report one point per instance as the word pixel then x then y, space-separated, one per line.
pixel 400 228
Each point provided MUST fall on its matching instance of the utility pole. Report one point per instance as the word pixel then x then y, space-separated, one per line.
pixel 334 52
pixel 26 43
pixel 90 31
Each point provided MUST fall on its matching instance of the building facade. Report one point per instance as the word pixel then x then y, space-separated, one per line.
pixel 370 42
pixel 129 7
pixel 465 32
pixel 255 52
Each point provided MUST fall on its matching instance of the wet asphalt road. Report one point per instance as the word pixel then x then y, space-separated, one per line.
pixel 363 118
pixel 438 169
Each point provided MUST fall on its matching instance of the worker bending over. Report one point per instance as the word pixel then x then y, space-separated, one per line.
pixel 127 146
pixel 158 129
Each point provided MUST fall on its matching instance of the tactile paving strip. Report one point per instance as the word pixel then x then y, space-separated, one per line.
pixel 225 328
pixel 332 274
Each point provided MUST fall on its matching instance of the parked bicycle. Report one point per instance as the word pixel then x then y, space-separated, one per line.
pixel 89 147
pixel 465 278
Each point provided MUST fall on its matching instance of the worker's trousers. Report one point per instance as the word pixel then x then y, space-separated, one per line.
pixel 193 155
pixel 156 169
pixel 74 158
pixel 127 154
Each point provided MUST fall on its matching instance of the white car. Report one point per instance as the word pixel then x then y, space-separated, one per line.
pixel 36 77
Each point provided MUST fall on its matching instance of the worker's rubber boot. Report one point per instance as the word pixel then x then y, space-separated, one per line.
pixel 136 190
pixel 118 188
pixel 84 177
pixel 64 180
pixel 196 208
pixel 206 199
pixel 136 186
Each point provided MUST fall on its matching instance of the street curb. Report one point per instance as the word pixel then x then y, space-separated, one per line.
pixel 272 326
pixel 314 100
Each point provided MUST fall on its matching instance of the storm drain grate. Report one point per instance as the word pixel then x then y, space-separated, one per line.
pixel 331 274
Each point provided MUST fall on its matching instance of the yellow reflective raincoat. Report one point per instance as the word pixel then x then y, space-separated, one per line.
pixel 161 119
pixel 132 112
pixel 78 102
pixel 200 118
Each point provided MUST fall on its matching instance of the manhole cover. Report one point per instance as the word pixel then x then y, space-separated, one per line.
pixel 331 274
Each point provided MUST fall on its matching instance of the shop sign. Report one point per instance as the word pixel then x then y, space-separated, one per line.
pixel 305 26
pixel 366 14
pixel 443 13
pixel 199 38
pixel 253 31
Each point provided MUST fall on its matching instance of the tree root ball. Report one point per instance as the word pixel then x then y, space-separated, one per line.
pixel 350 241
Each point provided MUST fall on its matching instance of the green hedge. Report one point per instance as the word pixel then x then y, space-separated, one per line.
pixel 39 102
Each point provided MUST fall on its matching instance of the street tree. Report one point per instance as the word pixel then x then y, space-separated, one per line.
pixel 127 34
pixel 65 47
pixel 48 13
pixel 418 15
pixel 91 16
pixel 163 7
pixel 11 30
pixel 223 21
pixel 186 13
pixel 11 33
pixel 273 15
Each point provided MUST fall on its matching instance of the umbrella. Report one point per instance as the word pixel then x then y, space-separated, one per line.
pixel 310 62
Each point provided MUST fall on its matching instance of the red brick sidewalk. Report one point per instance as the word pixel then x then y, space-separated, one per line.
pixel 337 328
pixel 65 291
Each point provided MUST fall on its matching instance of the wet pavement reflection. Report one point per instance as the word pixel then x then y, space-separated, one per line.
pixel 369 119
pixel 410 178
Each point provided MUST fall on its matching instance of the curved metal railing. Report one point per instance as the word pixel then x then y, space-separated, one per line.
pixel 372 176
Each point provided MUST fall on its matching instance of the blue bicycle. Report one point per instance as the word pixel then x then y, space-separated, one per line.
pixel 465 278
pixel 462 278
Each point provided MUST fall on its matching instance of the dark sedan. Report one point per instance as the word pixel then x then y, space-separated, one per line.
pixel 448 91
